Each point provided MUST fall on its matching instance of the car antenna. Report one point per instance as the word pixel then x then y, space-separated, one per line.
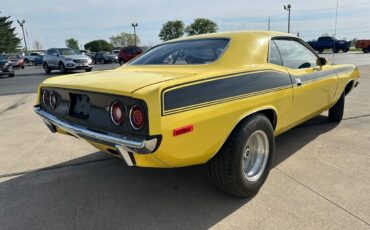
pixel 335 29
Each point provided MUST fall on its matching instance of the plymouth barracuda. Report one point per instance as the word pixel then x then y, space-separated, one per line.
pixel 216 99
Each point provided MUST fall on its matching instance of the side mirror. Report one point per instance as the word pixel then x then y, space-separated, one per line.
pixel 321 61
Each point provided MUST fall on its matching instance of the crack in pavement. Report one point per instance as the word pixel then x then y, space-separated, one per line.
pixel 55 167
pixel 322 196
pixel 15 105
pixel 326 122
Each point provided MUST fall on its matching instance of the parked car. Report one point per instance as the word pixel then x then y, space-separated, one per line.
pixel 115 52
pixel 87 53
pixel 327 42
pixel 128 53
pixel 17 61
pixel 31 57
pixel 66 60
pixel 104 57
pixel 39 60
pixel 200 100
pixel 364 45
pixel 6 66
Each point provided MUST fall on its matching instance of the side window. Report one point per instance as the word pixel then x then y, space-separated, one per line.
pixel 274 55
pixel 129 50
pixel 295 55
pixel 50 52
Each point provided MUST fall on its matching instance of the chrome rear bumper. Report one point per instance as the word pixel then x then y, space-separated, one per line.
pixel 122 144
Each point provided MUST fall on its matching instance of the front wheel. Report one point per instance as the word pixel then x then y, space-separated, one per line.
pixel 320 50
pixel 11 75
pixel 242 165
pixel 62 68
pixel 88 70
pixel 336 112
pixel 345 50
pixel 365 50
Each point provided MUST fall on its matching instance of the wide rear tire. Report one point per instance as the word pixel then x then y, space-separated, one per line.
pixel 336 112
pixel 243 163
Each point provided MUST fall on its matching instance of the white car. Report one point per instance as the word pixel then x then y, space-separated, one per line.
pixel 66 60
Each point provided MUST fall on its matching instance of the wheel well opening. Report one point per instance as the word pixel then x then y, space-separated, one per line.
pixel 348 88
pixel 269 113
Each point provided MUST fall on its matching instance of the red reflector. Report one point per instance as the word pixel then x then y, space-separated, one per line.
pixel 182 130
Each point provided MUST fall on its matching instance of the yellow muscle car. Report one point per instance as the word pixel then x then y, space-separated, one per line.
pixel 217 99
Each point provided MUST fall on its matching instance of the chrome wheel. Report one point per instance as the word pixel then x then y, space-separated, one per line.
pixel 255 155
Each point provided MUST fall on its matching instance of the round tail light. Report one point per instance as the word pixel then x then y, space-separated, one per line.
pixel 137 117
pixel 45 98
pixel 53 100
pixel 117 113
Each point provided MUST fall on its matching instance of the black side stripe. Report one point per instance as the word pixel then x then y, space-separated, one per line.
pixel 221 89
pixel 224 88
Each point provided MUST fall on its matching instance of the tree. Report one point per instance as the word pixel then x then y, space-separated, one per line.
pixel 9 42
pixel 98 45
pixel 37 45
pixel 201 26
pixel 72 43
pixel 172 30
pixel 124 39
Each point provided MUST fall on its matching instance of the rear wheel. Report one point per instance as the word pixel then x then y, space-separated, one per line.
pixel 88 70
pixel 26 61
pixel 336 112
pixel 242 165
pixel 345 50
pixel 11 75
pixel 47 68
pixel 365 50
pixel 320 50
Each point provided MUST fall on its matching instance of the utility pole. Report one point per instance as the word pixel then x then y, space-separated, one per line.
pixel 288 7
pixel 268 24
pixel 21 23
pixel 134 25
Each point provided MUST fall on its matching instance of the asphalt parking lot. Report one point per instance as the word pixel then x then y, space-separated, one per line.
pixel 320 177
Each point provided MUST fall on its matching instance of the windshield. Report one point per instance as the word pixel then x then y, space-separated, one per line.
pixel 68 52
pixel 200 51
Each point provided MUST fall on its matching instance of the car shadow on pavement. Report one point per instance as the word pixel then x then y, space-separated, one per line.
pixel 103 193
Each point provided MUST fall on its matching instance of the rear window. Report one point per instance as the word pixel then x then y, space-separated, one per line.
pixel 190 52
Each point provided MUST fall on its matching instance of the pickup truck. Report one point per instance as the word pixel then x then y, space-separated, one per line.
pixel 364 45
pixel 327 42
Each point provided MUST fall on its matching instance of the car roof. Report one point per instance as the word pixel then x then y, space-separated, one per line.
pixel 245 47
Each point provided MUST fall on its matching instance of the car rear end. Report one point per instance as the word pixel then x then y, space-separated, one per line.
pixel 115 124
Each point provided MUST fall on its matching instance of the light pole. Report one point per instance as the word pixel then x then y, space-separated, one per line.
pixel 134 25
pixel 288 7
pixel 21 23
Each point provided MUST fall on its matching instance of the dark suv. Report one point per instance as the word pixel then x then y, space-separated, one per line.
pixel 6 66
pixel 128 53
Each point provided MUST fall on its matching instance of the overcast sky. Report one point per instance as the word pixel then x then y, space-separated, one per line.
pixel 52 22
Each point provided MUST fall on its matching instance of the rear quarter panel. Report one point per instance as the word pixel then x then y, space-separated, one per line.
pixel 212 123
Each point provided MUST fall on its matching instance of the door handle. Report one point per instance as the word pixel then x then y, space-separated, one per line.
pixel 298 82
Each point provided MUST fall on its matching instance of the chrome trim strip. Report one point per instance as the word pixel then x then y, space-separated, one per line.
pixel 122 143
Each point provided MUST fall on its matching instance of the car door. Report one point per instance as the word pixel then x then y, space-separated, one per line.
pixel 313 86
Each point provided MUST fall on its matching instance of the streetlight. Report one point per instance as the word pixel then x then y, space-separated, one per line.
pixel 21 23
pixel 288 7
pixel 134 25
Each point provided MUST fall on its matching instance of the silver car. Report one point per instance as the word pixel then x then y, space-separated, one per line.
pixel 66 60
